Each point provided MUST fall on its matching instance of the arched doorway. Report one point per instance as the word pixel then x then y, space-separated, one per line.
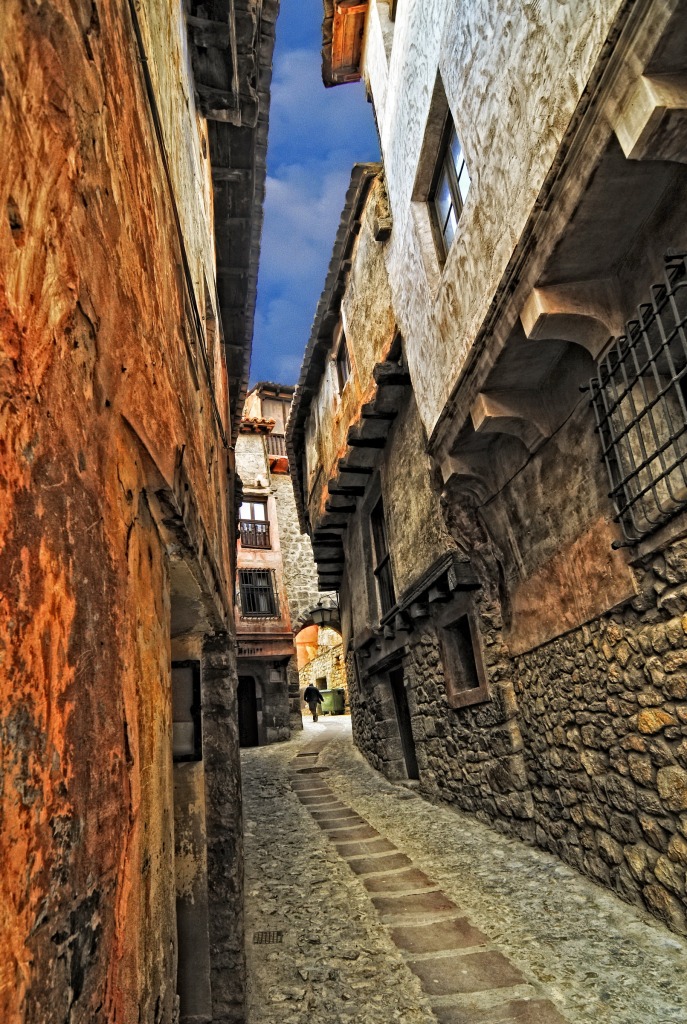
pixel 249 735
pixel 321 662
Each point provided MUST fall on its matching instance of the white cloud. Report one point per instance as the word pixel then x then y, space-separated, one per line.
pixel 316 136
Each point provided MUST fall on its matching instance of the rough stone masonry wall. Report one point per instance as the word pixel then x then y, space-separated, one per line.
pixel 300 571
pixel 603 712
pixel 470 756
pixel 328 663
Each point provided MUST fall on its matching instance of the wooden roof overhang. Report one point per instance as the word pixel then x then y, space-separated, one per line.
pixel 231 44
pixel 343 30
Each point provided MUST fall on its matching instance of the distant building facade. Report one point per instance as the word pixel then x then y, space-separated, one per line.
pixel 321 660
pixel 131 184
pixel 489 435
pixel 276 586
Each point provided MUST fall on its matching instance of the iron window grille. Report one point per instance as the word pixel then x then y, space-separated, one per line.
pixel 451 186
pixel 257 593
pixel 639 398
pixel 382 568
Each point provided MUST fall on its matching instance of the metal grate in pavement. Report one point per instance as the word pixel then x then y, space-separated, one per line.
pixel 267 938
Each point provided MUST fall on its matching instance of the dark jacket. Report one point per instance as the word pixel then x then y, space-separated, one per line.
pixel 312 693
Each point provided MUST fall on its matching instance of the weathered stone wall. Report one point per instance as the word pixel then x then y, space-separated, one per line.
pixel 416 530
pixel 300 571
pixel 251 460
pixel 484 52
pixel 604 719
pixel 99 411
pixel 369 327
pixel 328 663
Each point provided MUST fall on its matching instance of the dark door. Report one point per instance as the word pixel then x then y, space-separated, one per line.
pixel 403 718
pixel 248 712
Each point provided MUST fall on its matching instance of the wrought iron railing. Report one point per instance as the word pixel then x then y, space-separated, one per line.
pixel 639 397
pixel 254 534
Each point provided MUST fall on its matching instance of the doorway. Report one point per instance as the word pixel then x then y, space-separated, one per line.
pixel 248 712
pixel 398 691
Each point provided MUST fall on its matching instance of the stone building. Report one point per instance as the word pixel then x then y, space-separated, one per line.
pixel 489 434
pixel 131 185
pixel 321 660
pixel 276 588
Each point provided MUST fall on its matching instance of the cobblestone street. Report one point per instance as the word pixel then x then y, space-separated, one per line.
pixel 366 903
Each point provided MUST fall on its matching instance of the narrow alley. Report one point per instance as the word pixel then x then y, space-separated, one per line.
pixel 364 902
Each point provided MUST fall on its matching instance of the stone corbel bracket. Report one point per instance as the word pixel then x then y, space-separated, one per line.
pixel 585 313
pixel 651 122
pixel 519 413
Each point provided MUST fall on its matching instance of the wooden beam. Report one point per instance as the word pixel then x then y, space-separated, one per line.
pixel 342 510
pixel 367 442
pixel 360 470
pixel 347 492
pixel 205 32
pixel 230 174
pixel 388 373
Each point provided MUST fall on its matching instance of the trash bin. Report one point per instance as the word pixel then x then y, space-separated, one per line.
pixel 333 701
pixel 327 706
pixel 339 700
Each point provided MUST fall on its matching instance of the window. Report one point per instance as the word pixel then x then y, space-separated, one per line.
pixel 451 186
pixel 382 560
pixel 257 591
pixel 186 724
pixel 464 675
pixel 639 397
pixel 343 363
pixel 253 526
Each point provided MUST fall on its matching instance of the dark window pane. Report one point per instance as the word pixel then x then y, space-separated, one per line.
pixel 258 597
pixel 343 364
pixel 443 199
pixel 186 727
pixel 464 182
pixel 382 568
pixel 455 150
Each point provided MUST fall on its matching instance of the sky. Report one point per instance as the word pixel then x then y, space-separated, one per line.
pixel 316 135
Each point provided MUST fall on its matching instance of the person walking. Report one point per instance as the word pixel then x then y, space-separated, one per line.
pixel 313 698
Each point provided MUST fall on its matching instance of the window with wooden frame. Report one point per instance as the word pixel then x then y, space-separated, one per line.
pixel 257 593
pixel 382 559
pixel 254 528
pixel 451 185
pixel 461 654
pixel 342 360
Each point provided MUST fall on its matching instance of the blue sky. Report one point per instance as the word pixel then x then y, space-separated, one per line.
pixel 316 135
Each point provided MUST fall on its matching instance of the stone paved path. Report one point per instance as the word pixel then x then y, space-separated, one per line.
pixel 366 903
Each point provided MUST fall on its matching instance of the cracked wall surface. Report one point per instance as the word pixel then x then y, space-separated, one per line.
pixel 111 468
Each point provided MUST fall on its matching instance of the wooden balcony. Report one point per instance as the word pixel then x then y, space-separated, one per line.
pixel 253 534
pixel 276 445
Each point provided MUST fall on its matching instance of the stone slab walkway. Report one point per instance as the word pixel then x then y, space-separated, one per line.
pixel 366 903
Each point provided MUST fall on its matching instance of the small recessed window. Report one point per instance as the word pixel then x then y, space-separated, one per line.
pixel 382 559
pixel 343 363
pixel 186 721
pixel 451 186
pixel 464 675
